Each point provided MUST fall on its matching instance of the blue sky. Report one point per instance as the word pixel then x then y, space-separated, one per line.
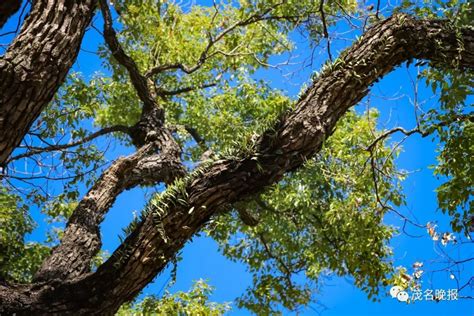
pixel 338 296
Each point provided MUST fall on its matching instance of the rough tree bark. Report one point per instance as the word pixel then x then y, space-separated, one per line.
pixel 36 63
pixel 81 240
pixel 299 134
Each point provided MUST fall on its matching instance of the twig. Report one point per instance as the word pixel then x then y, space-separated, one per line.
pixel 377 10
pixel 461 117
pixel 40 150
pixel 162 92
pixel 325 28
pixel 211 42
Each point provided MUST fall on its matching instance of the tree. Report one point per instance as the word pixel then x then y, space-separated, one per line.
pixel 181 303
pixel 236 157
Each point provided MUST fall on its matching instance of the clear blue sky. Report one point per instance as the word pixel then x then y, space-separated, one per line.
pixel 201 258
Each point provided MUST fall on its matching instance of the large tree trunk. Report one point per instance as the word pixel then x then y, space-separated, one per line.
pixel 36 63
pixel 168 226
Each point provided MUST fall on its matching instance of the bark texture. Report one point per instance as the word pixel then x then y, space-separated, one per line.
pixel 36 63
pixel 81 240
pixel 299 134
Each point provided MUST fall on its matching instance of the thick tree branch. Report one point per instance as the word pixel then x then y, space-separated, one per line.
pixel 167 226
pixel 36 64
pixel 81 239
pixel 298 136
pixel 7 9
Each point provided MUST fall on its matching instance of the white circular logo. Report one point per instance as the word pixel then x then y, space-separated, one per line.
pixel 395 290
pixel 402 296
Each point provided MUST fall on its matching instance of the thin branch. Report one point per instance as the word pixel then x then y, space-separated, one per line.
pixel 471 280
pixel 377 10
pixel 162 92
pixel 211 42
pixel 140 82
pixel 418 130
pixel 325 28
pixel 346 15
pixel 287 271
pixel 40 150
pixel 195 135
pixel 383 204
pixel 393 131
pixel 47 177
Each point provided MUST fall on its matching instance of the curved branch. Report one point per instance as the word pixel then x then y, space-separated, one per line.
pixel 81 239
pixel 298 136
pixel 140 82
pixel 254 18
pixel 417 130
pixel 162 92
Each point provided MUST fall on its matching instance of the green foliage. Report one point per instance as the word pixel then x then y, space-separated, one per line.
pixel 456 164
pixel 459 13
pixel 193 302
pixel 320 220
pixel 18 261
pixel 452 123
pixel 223 45
pixel 229 118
